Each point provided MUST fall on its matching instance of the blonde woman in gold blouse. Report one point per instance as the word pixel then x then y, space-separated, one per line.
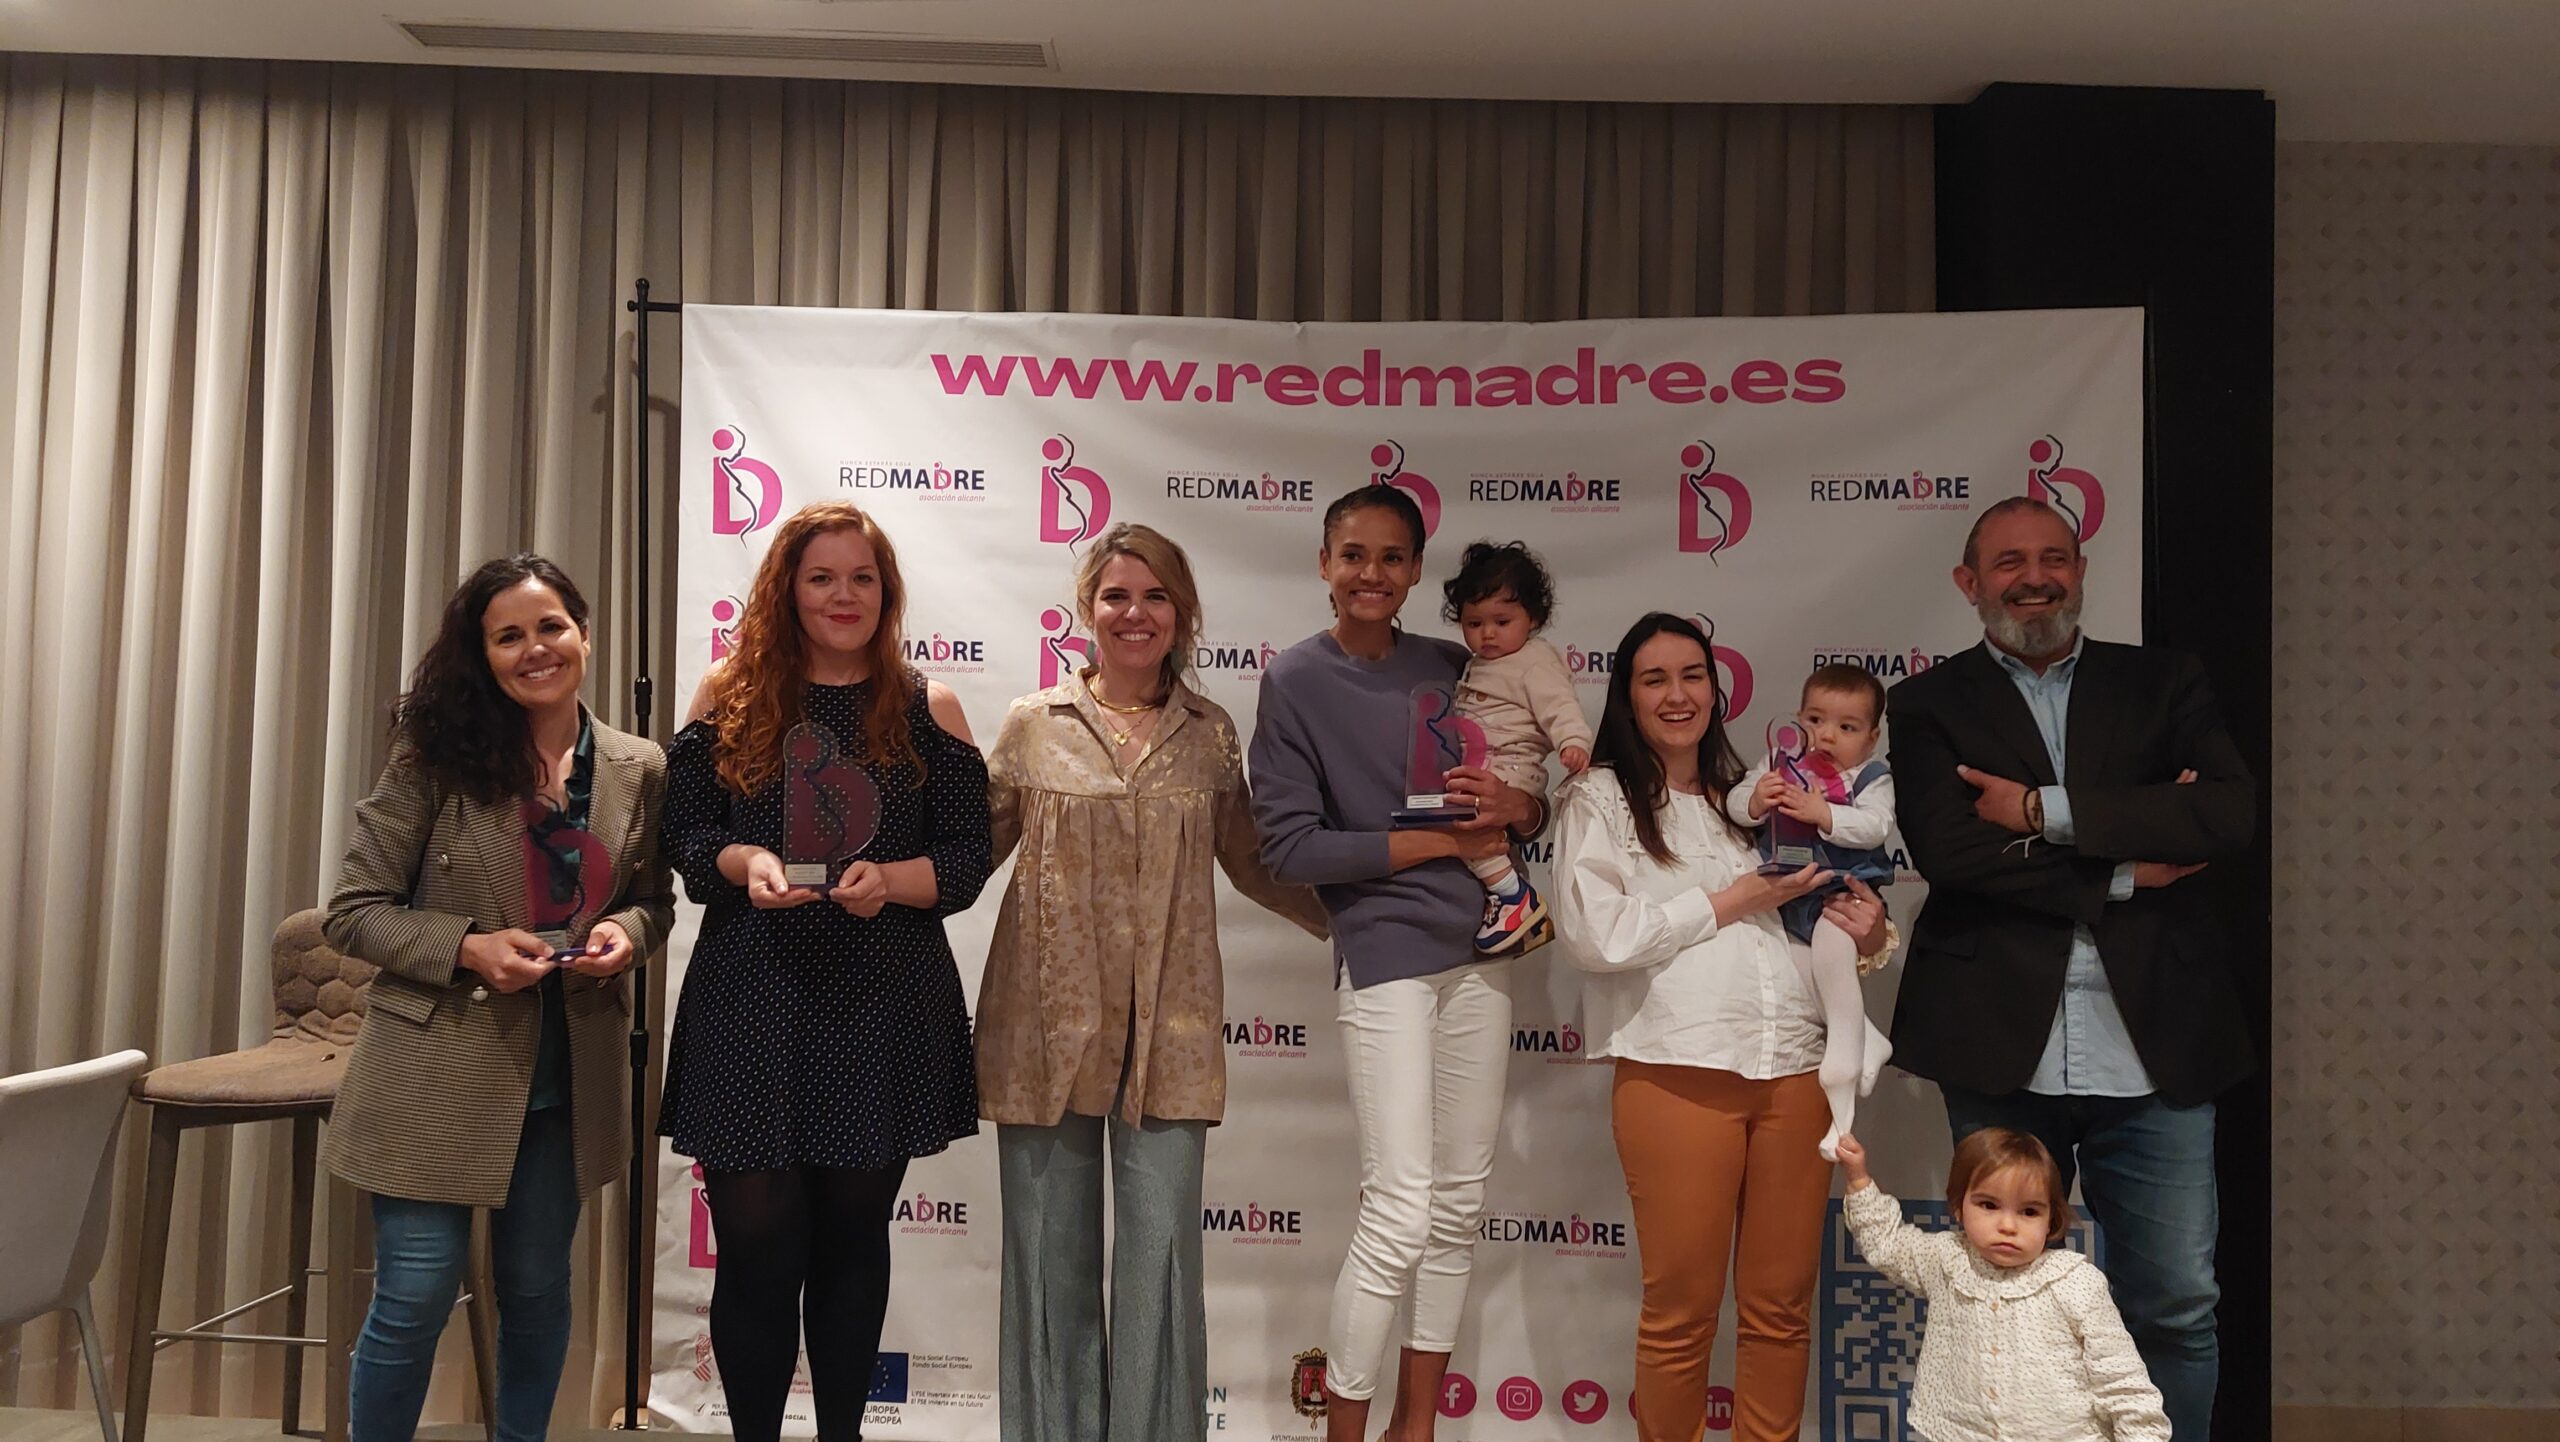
pixel 1102 1005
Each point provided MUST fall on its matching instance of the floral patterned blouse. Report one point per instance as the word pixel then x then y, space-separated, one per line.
pixel 1105 958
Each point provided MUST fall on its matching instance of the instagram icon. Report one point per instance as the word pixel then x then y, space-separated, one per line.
pixel 1518 1398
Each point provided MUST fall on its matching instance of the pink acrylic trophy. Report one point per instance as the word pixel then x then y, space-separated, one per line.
pixel 565 869
pixel 1787 844
pixel 1437 739
pixel 830 809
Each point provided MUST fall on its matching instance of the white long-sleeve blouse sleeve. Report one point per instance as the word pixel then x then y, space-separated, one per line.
pixel 1605 923
pixel 1664 982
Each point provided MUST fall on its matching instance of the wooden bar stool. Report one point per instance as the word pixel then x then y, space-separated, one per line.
pixel 292 1077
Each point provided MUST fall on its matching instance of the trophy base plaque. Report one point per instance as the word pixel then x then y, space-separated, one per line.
pixel 1788 845
pixel 563 950
pixel 812 874
pixel 1438 808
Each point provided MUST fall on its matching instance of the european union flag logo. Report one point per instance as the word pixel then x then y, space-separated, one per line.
pixel 889 1378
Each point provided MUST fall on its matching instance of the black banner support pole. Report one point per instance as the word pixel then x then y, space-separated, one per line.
pixel 643 690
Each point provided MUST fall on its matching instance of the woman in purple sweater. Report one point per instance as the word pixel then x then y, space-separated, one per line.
pixel 1426 1022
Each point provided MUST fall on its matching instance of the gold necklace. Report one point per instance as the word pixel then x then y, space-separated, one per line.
pixel 1118 736
pixel 1115 706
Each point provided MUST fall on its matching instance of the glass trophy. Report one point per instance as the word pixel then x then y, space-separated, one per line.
pixel 565 873
pixel 1437 738
pixel 829 807
pixel 1787 844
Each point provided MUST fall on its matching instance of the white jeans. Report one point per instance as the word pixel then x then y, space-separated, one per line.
pixel 1427 1059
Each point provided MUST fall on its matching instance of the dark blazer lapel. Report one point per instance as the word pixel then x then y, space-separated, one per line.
pixel 2096 698
pixel 1996 700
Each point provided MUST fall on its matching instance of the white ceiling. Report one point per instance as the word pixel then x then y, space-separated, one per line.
pixel 2431 70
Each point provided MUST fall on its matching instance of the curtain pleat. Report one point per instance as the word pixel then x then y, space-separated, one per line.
pixel 285 349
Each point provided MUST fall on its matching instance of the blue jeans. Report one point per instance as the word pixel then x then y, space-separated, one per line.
pixel 421 1252
pixel 2146 1175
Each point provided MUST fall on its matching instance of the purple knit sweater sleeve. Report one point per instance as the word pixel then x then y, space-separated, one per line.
pixel 1328 761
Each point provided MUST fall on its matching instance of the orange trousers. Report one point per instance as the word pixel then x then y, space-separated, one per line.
pixel 1723 1171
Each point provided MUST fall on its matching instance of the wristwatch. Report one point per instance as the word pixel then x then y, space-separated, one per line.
pixel 2035 812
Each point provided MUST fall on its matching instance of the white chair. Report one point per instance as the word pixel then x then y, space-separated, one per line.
pixel 61 1123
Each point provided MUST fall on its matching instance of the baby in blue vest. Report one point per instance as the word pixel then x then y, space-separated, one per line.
pixel 1822 798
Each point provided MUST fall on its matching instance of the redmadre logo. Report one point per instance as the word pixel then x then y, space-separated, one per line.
pixel 725 614
pixel 2078 495
pixel 1733 674
pixel 746 494
pixel 937 481
pixel 922 1215
pixel 1885 666
pixel 1255 1225
pixel 1715 508
pixel 1251 493
pixel 1918 491
pixel 1386 460
pixel 1260 1038
pixel 702 1250
pixel 1570 1236
pixel 938 655
pixel 1251 659
pixel 1075 501
pixel 1062 652
pixel 1560 1043
pixel 1590 665
pixel 1572 493
pixel 1733 671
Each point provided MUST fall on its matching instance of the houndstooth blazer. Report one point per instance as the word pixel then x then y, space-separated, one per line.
pixel 434 1097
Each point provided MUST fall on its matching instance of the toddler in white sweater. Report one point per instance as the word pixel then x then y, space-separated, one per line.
pixel 1519 690
pixel 2023 1340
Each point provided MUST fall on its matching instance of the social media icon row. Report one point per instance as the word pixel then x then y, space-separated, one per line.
pixel 1520 1399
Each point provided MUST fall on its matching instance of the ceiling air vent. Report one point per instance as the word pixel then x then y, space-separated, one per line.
pixel 833 47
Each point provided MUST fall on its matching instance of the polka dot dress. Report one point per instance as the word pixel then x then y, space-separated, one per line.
pixel 810 1036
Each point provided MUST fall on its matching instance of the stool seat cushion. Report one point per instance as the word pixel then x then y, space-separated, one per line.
pixel 295 1071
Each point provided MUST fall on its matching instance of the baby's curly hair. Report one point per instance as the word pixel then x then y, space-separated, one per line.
pixel 1489 570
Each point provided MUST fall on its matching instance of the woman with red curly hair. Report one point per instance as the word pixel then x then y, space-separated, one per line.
pixel 822 1040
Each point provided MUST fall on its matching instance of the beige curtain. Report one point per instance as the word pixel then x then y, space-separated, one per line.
pixel 284 349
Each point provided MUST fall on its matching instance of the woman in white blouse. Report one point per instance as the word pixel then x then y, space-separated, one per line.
pixel 1716 1105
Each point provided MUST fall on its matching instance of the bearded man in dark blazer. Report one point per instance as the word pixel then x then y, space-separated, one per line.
pixel 2055 791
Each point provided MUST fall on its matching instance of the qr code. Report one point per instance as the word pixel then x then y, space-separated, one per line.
pixel 1871 1329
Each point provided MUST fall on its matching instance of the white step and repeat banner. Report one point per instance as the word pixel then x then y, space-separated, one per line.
pixel 1805 483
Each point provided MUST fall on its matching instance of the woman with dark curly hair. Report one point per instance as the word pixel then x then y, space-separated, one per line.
pixel 504 874
pixel 822 1041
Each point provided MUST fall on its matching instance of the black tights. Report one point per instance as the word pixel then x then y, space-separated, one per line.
pixel 800 1246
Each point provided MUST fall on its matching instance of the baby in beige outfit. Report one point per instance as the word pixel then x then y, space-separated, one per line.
pixel 1520 692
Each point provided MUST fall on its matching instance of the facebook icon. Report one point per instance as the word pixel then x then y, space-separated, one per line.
pixel 889 1378
pixel 1457 1396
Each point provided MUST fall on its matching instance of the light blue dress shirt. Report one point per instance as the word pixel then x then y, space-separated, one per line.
pixel 2088 1053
